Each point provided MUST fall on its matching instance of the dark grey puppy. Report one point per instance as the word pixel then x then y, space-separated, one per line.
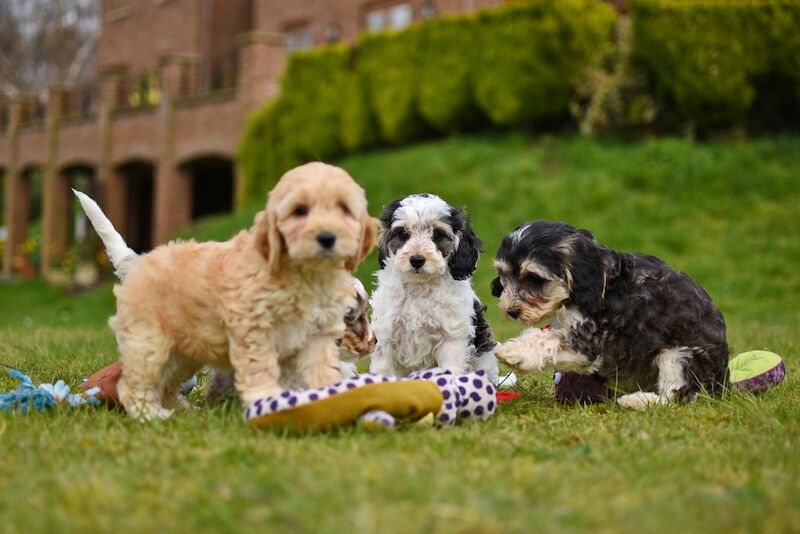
pixel 628 317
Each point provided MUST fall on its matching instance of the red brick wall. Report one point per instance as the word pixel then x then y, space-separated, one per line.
pixel 137 33
pixel 78 142
pixel 32 148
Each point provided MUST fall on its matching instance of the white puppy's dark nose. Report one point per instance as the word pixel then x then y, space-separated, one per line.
pixel 416 261
pixel 326 240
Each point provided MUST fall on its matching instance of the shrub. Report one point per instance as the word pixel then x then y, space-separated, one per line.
pixel 387 64
pixel 445 94
pixel 513 65
pixel 705 56
pixel 611 94
pixel 311 96
pixel 528 54
pixel 357 130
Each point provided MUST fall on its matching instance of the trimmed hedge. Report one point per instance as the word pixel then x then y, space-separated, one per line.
pixel 528 55
pixel 706 56
pixel 510 65
pixel 387 64
pixel 445 94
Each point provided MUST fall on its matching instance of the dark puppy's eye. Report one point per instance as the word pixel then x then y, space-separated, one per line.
pixel 535 280
pixel 300 211
pixel 497 287
pixel 400 233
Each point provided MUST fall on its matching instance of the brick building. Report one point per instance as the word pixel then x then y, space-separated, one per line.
pixel 154 137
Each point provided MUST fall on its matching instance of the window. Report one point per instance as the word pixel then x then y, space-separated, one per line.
pixel 394 17
pixel 400 16
pixel 376 20
pixel 333 33
pixel 428 10
pixel 298 37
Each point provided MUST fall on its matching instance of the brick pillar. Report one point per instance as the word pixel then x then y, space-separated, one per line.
pixel 261 60
pixel 15 198
pixel 172 188
pixel 55 225
pixel 262 57
pixel 109 186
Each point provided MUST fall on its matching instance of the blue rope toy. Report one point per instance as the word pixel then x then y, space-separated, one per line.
pixel 29 397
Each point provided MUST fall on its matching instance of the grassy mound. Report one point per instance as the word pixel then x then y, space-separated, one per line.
pixel 726 213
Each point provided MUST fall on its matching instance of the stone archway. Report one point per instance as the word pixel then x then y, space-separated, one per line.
pixel 135 182
pixel 63 218
pixel 23 241
pixel 211 185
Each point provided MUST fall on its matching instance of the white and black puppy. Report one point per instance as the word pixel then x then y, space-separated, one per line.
pixel 628 317
pixel 424 311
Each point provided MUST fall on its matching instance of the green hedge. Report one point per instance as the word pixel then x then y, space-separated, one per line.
pixel 511 65
pixel 445 92
pixel 705 56
pixel 528 55
pixel 387 64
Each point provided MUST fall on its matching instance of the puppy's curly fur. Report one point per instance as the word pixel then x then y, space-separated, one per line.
pixel 424 311
pixel 628 317
pixel 269 303
pixel 358 341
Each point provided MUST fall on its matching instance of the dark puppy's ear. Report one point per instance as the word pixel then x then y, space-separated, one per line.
pixel 587 234
pixel 588 265
pixel 386 218
pixel 497 287
pixel 464 260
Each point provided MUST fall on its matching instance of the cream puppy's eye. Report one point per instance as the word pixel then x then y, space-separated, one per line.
pixel 300 211
pixel 344 208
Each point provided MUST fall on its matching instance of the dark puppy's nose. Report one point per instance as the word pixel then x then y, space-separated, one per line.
pixel 416 261
pixel 513 312
pixel 326 239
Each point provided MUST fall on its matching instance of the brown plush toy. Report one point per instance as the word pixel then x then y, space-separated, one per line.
pixel 106 379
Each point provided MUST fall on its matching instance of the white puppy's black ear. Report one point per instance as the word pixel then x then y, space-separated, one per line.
pixel 464 260
pixel 386 218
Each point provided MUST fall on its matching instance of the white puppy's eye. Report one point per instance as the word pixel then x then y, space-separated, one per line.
pixel 438 235
pixel 300 210
pixel 400 233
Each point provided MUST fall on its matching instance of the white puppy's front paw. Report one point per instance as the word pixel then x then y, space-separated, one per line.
pixel 639 400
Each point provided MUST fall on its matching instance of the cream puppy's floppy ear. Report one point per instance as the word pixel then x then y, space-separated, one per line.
pixel 268 239
pixel 369 236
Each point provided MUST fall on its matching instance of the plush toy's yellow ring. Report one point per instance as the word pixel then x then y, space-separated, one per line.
pixel 407 400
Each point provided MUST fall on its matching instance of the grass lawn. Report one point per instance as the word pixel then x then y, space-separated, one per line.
pixel 726 213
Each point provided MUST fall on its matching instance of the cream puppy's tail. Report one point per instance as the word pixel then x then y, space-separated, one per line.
pixel 120 254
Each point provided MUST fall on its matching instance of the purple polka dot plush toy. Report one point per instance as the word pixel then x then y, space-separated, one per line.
pixel 379 402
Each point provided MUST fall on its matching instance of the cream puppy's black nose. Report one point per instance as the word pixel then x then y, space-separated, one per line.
pixel 326 239
pixel 416 261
